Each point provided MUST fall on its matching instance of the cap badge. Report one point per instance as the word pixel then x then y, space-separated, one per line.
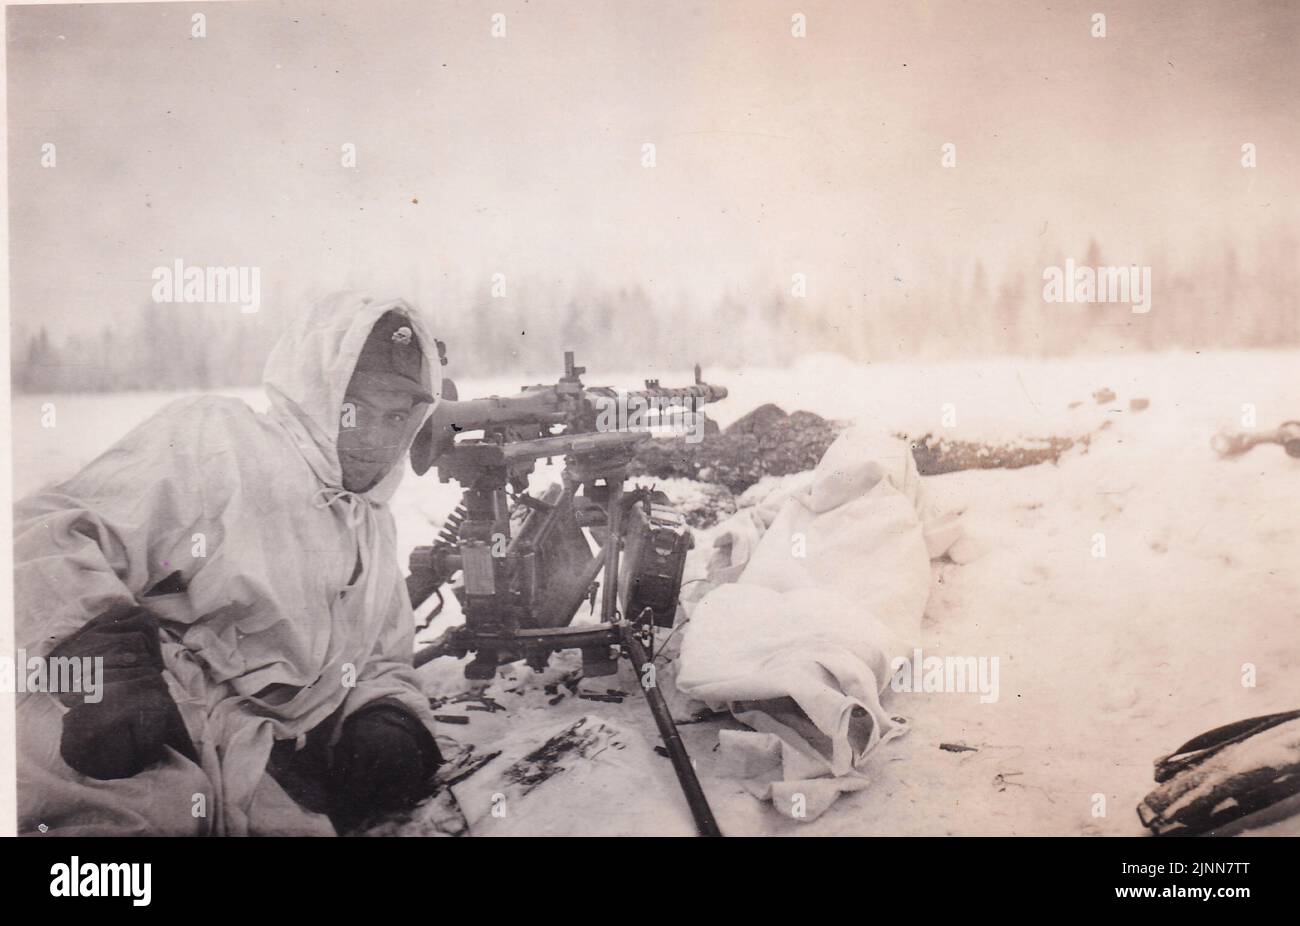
pixel 402 335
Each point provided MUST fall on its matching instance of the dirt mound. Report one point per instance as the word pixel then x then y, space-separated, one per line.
pixel 765 442
pixel 768 442
pixel 936 455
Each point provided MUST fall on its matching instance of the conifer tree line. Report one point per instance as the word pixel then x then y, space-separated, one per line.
pixel 1214 302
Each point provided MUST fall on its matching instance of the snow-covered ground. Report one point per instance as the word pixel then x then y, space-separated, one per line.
pixel 1106 662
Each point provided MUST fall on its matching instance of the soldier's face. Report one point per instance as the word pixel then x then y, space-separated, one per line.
pixel 372 428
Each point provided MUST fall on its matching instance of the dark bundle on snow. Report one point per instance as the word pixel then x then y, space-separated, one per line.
pixel 766 442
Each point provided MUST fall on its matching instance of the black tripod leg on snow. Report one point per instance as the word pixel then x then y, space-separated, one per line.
pixel 700 810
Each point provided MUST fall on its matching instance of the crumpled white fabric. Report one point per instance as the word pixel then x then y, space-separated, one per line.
pixel 270 637
pixel 834 576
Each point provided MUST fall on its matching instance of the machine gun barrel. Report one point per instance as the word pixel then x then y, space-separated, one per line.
pixel 698 394
pixel 533 413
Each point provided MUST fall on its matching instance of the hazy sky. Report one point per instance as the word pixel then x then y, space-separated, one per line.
pixel 522 154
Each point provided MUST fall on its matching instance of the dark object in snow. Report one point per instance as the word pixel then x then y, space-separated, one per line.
pixel 1231 442
pixel 1227 774
pixel 382 763
pixel 1103 396
pixel 662 751
pixel 765 442
pixel 768 442
pixel 936 455
pixel 555 700
pixel 462 697
pixel 1137 405
pixel 683 764
pixel 440 814
pixel 467 764
pixel 703 715
pixel 608 699
pixel 584 738
pixel 957 747
pixel 656 543
pixel 451 718
pixel 761 420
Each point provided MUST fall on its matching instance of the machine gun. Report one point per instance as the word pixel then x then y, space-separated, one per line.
pixel 522 564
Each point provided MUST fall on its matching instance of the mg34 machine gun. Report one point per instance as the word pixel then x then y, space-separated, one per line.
pixel 522 564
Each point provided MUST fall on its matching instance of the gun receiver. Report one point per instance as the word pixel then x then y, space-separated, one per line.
pixel 538 411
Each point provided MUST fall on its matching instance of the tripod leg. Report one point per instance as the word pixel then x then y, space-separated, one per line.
pixel 695 797
pixel 609 601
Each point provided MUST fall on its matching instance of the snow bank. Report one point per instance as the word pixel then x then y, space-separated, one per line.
pixel 1135 594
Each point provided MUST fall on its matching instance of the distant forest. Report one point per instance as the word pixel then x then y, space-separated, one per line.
pixel 1216 304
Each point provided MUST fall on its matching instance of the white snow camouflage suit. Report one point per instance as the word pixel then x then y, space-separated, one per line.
pixel 270 635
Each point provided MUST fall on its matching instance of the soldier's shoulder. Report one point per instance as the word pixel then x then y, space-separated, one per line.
pixel 198 407
pixel 226 442
pixel 210 425
pixel 214 416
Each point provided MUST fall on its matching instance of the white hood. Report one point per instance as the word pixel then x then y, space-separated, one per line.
pixel 307 376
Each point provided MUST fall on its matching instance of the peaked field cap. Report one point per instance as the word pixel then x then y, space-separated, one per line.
pixel 391 357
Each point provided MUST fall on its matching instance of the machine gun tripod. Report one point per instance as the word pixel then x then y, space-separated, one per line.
pixel 525 564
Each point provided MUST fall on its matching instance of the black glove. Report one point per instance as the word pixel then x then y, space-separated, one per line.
pixel 135 720
pixel 382 761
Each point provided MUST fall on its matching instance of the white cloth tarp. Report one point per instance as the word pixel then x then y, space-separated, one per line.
pixel 830 581
pixel 271 635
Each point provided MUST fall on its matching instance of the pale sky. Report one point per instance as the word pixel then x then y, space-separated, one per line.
pixel 774 154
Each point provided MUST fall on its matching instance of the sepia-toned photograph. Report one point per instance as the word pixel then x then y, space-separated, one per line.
pixel 675 418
